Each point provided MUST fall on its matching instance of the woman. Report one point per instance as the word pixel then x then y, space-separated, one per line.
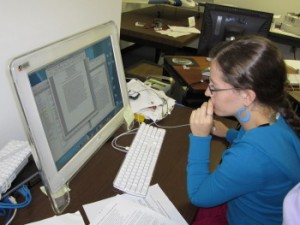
pixel 247 81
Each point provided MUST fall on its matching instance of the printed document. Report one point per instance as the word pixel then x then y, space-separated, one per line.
pixel 156 207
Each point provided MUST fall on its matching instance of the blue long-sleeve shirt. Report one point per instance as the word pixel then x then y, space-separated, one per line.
pixel 256 172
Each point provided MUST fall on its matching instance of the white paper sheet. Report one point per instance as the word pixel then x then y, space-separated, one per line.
pixel 156 200
pixel 151 103
pixel 295 64
pixel 121 211
pixel 294 79
pixel 65 219
pixel 184 29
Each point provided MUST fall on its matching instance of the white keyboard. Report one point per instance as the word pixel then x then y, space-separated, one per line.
pixel 136 172
pixel 13 157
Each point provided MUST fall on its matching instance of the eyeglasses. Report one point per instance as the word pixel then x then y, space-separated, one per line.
pixel 212 90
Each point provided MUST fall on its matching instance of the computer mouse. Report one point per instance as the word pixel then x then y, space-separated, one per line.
pixel 182 61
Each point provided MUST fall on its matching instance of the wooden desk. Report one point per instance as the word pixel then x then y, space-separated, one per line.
pixel 188 77
pixel 168 15
pixel 191 78
pixel 189 87
pixel 295 95
pixel 95 181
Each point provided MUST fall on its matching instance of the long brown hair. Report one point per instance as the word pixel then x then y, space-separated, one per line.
pixel 254 62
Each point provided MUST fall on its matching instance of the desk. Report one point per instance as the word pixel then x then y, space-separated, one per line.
pixel 175 16
pixel 168 15
pixel 188 88
pixel 95 181
pixel 283 37
pixel 189 77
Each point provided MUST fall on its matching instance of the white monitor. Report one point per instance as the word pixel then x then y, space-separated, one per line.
pixel 72 96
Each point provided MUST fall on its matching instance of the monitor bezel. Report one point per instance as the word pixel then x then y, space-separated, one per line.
pixel 207 23
pixel 54 180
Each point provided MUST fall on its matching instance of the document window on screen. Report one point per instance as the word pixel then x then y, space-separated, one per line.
pixel 73 97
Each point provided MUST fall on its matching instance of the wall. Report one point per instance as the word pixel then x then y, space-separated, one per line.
pixel 26 25
pixel 277 7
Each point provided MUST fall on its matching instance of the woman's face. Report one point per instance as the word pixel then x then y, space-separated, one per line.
pixel 225 98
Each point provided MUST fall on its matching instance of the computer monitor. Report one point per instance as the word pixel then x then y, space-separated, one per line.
pixel 223 23
pixel 72 96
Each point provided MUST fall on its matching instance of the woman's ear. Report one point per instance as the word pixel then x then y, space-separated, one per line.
pixel 248 96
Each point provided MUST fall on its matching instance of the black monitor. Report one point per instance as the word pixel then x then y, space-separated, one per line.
pixel 223 23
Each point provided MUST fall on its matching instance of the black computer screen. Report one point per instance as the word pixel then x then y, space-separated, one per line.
pixel 223 23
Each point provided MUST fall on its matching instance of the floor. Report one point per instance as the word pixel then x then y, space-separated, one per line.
pixel 134 54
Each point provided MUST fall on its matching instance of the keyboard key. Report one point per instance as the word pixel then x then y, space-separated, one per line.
pixel 13 157
pixel 135 174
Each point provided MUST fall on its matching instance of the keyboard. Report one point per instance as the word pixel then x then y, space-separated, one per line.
pixel 13 157
pixel 136 171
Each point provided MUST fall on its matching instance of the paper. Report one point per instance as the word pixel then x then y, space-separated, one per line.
pixel 125 212
pixel 192 22
pixel 65 219
pixel 152 104
pixel 178 31
pixel 294 64
pixel 191 30
pixel 294 79
pixel 156 201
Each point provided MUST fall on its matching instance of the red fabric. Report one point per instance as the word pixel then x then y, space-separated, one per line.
pixel 211 216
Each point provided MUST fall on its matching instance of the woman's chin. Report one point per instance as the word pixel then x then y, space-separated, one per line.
pixel 221 114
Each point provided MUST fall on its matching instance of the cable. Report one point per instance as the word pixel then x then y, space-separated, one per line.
pixel 11 217
pixel 171 127
pixel 9 205
pixel 116 146
pixel 24 191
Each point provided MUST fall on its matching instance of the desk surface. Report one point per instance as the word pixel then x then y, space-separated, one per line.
pixel 283 37
pixel 95 181
pixel 191 76
pixel 168 15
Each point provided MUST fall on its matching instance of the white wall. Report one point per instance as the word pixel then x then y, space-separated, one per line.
pixel 277 7
pixel 26 25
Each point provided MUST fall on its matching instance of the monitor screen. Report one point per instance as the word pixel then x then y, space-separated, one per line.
pixel 73 97
pixel 223 23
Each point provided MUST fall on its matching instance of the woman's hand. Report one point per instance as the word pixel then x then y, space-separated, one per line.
pixel 201 120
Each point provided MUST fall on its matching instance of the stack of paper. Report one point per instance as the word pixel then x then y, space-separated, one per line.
pixel 126 209
pixel 152 104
